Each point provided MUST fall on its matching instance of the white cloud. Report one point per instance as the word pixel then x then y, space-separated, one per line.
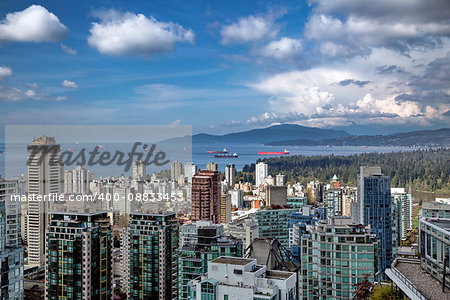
pixel 249 29
pixel 34 24
pixel 61 98
pixel 68 50
pixel 387 106
pixel 282 49
pixel 69 84
pixel 354 90
pixel 5 72
pixel 128 33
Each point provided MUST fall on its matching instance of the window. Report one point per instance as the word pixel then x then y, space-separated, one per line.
pixel 237 271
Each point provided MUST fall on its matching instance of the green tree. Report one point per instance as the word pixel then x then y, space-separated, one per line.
pixel 384 292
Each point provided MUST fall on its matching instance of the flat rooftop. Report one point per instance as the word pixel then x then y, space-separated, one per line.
pixel 424 282
pixel 233 260
pixel 441 223
pixel 278 274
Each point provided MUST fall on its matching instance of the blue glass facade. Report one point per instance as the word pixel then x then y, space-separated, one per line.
pixel 377 212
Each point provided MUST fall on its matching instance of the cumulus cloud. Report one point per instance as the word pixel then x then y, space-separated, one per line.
pixel 5 72
pixel 69 84
pixel 34 24
pixel 68 50
pixel 282 49
pixel 249 29
pixel 346 28
pixel 135 34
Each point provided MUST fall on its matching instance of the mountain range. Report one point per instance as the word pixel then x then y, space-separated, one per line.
pixel 271 134
pixel 297 135
pixel 429 138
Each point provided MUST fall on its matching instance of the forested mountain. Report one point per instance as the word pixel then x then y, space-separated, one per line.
pixel 430 138
pixel 427 170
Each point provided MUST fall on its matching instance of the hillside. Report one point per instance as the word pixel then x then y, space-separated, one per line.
pixel 429 138
pixel 271 134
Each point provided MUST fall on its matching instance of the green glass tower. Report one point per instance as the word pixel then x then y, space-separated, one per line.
pixel 335 256
pixel 79 256
pixel 150 258
pixel 274 223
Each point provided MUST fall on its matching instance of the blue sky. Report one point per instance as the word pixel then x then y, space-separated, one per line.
pixel 224 66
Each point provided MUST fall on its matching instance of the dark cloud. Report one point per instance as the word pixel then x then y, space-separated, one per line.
pixel 359 83
pixel 348 27
pixel 389 69
pixel 433 85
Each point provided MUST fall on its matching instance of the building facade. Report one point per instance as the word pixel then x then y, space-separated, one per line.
pixel 45 176
pixel 374 208
pixel 205 242
pixel 274 223
pixel 206 196
pixel 11 251
pixel 335 256
pixel 150 262
pixel 434 241
pixel 78 262
pixel 233 278
pixel 261 172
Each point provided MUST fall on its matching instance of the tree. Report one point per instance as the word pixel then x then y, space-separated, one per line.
pixel 363 288
pixel 384 292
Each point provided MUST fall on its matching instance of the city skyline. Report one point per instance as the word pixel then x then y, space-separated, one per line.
pixel 318 63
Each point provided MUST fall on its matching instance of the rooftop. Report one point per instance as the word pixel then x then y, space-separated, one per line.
pixel 441 223
pixel 435 205
pixel 278 274
pixel 427 285
pixel 233 260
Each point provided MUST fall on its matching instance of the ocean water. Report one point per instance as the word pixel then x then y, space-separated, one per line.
pixel 16 155
pixel 248 153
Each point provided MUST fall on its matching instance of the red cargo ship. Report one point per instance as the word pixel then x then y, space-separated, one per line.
pixel 273 153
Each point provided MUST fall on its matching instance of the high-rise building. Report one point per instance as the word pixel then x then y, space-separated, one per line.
pixel 298 223
pixel 45 176
pixel 434 243
pixel 243 229
pixel 206 241
pixel 230 175
pixel 176 171
pixel 274 223
pixel 237 198
pixel 78 264
pixel 335 256
pixel 11 251
pixel 190 169
pixel 206 196
pixel 279 179
pixel 333 201
pixel 139 170
pixel 374 208
pixel 261 172
pixel 225 208
pixel 403 203
pixel 150 262
pixel 276 195
pixel 243 279
pixel 435 210
pixel 212 166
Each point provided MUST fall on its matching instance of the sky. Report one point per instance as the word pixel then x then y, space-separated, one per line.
pixel 369 67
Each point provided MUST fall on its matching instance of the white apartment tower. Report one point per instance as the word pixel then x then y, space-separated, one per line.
pixel 44 177
pixel 261 172
pixel 139 170
pixel 230 175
